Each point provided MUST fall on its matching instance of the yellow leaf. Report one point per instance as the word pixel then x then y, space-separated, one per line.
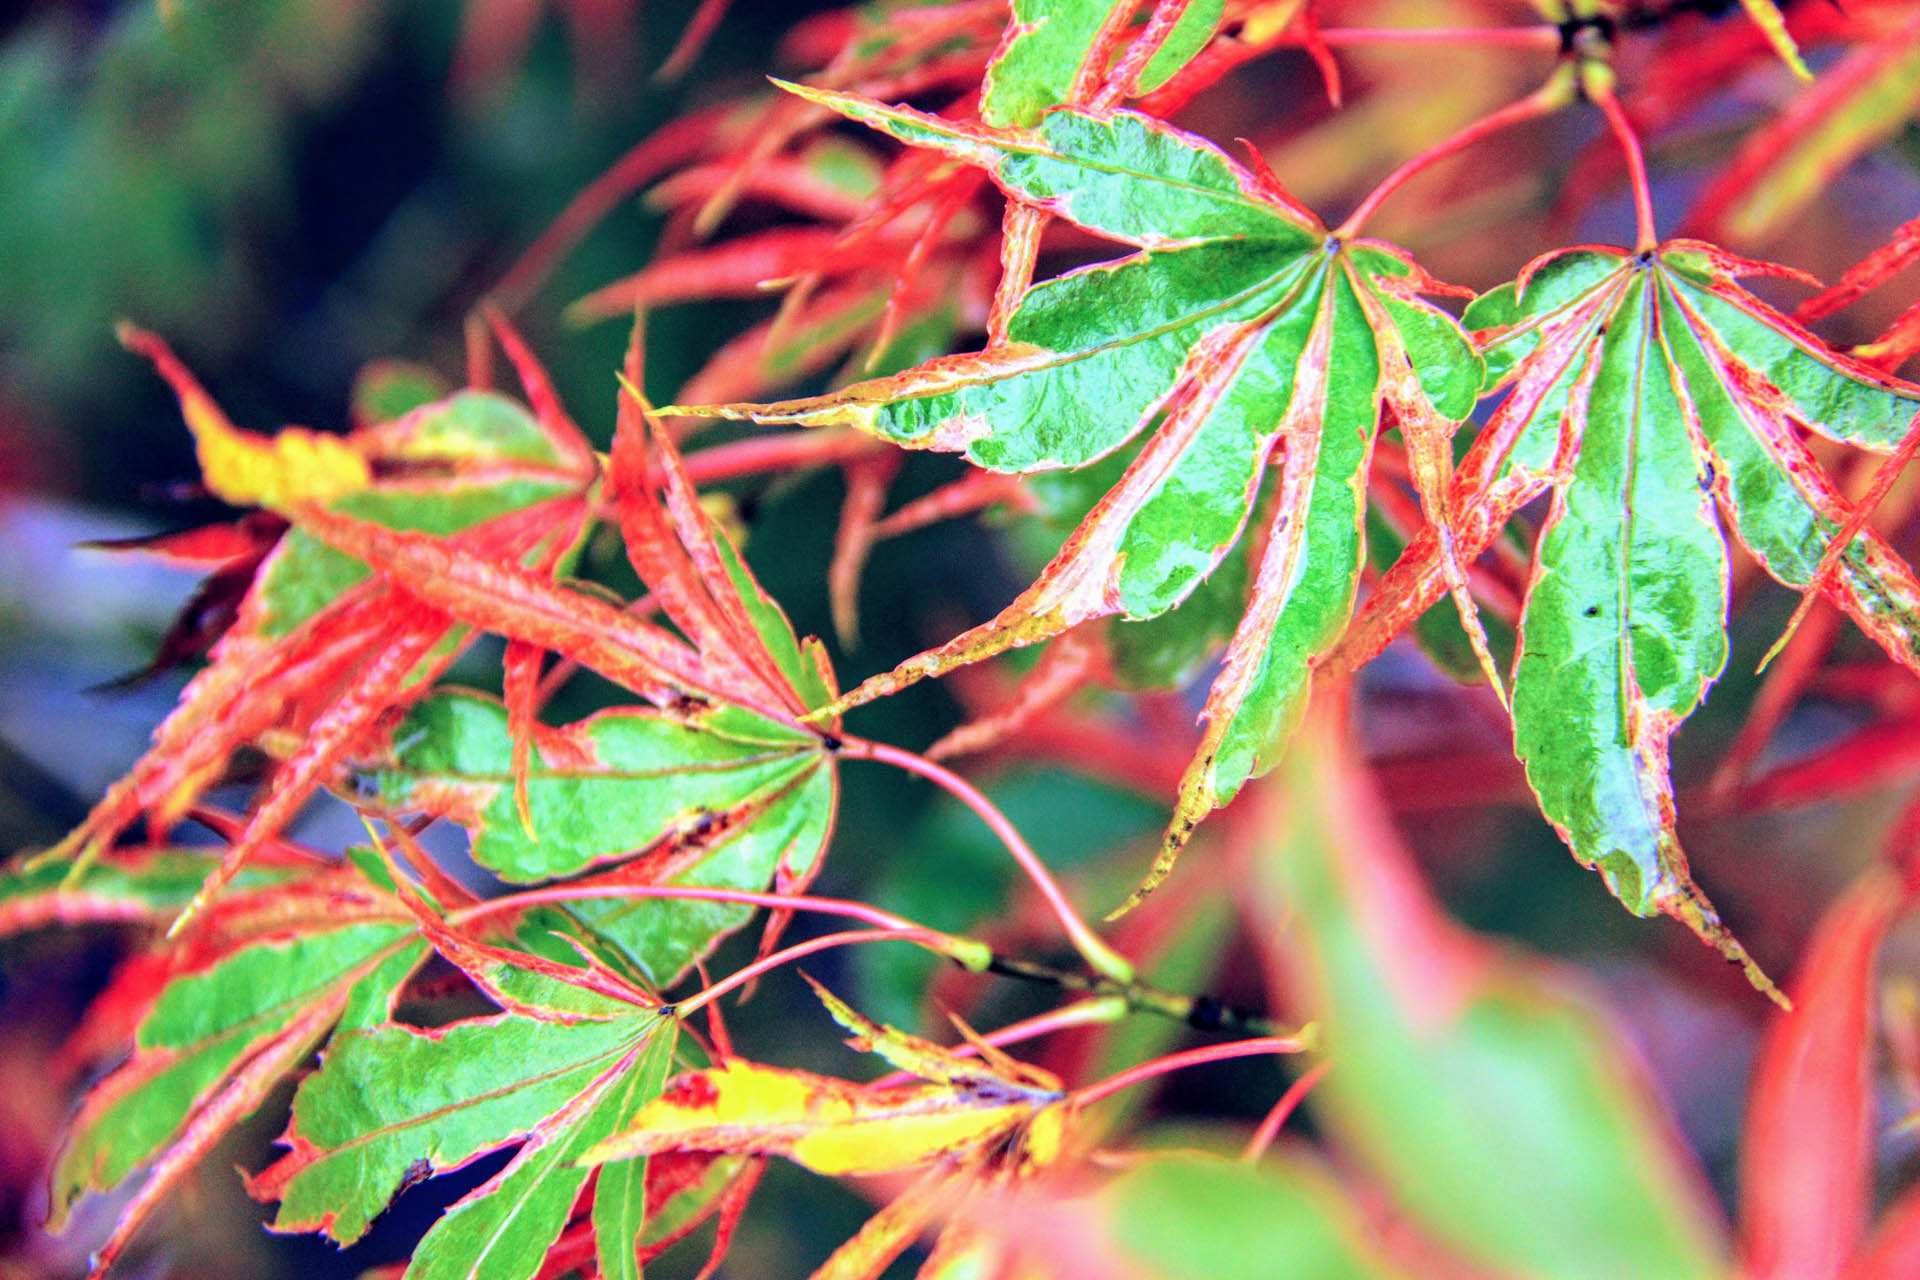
pixel 251 470
pixel 246 468
pixel 1045 1132
pixel 928 1126
pixel 930 1061
pixel 828 1125
pixel 971 1122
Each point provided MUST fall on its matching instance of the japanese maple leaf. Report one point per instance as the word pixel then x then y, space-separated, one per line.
pixel 320 647
pixel 969 1123
pixel 218 1021
pixel 555 1073
pixel 1241 327
pixel 1659 403
pixel 230 554
pixel 720 787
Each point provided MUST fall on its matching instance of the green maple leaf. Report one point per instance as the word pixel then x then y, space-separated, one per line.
pixel 717 797
pixel 702 791
pixel 1241 328
pixel 504 1229
pixel 393 1102
pixel 123 886
pixel 1647 390
pixel 1046 46
pixel 217 1039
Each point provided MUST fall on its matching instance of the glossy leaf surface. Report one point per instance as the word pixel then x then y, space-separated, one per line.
pixel 1242 329
pixel 503 1230
pixel 1647 390
pixel 1039 57
pixel 393 1102
pixel 205 1025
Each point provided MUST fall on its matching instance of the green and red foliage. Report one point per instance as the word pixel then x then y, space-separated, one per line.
pixel 1244 452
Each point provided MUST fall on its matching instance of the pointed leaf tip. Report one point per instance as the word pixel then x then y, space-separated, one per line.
pixel 1773 25
pixel 1690 907
pixel 1665 403
pixel 243 467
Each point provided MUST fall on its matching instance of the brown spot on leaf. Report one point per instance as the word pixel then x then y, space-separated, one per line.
pixel 417 1172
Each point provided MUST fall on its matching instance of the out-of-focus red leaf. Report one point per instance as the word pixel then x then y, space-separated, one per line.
pixel 788 451
pixel 786 118
pixel 672 144
pixel 795 345
pixel 975 491
pixel 1893 1251
pixel 738 268
pixel 1866 758
pixel 1872 271
pixel 495 34
pixel 1806 1160
pixel 1794 669
pixel 907 288
pixel 1696 59
pixel 791 183
pixel 693 39
pixel 1457 780
pixel 1897 345
pixel 1854 106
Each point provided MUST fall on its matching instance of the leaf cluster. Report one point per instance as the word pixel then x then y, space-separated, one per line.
pixel 1254 448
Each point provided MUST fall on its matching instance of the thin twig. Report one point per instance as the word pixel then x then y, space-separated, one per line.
pixel 1099 956
pixel 1548 98
pixel 1597 82
pixel 1282 1110
pixel 1300 1042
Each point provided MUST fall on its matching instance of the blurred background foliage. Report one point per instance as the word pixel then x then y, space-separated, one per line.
pixel 288 189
